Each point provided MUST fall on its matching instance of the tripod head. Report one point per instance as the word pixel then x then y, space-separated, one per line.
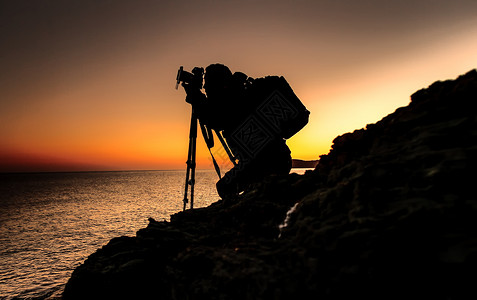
pixel 194 78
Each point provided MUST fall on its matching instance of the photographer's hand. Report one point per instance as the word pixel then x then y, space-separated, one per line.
pixel 194 95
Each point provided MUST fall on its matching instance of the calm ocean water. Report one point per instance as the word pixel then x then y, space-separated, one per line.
pixel 51 222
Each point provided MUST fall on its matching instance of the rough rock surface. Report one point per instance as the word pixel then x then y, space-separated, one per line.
pixel 389 213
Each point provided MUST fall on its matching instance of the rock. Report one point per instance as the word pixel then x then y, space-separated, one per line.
pixel 389 213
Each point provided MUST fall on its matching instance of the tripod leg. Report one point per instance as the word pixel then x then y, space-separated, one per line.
pixel 192 179
pixel 190 174
pixel 186 189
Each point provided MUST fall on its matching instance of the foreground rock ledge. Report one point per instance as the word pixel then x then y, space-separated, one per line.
pixel 389 213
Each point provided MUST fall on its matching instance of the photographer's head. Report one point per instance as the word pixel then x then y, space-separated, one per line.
pixel 217 80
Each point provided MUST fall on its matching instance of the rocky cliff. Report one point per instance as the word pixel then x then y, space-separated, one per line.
pixel 389 213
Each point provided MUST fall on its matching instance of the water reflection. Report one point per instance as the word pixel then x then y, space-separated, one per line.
pixel 50 223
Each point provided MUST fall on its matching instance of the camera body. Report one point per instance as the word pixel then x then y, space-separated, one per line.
pixel 194 78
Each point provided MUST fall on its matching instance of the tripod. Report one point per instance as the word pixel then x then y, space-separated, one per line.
pixel 209 141
pixel 190 174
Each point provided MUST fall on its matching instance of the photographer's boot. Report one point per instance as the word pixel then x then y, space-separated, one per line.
pixel 227 190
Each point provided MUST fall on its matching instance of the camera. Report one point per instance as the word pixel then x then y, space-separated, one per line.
pixel 194 78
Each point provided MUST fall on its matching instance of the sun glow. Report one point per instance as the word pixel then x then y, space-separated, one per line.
pixel 102 96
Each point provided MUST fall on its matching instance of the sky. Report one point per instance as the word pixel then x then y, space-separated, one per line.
pixel 90 85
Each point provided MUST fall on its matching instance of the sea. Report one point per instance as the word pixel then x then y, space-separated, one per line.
pixel 51 222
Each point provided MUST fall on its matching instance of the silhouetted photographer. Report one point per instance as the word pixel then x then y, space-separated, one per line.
pixel 251 117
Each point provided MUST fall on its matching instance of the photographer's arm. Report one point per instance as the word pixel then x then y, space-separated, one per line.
pixel 194 96
pixel 207 113
pixel 199 102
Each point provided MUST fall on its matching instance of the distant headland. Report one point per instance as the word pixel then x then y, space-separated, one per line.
pixel 298 163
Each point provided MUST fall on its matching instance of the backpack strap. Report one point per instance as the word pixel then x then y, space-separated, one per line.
pixel 209 141
pixel 226 147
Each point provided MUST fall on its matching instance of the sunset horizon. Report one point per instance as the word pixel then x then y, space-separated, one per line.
pixel 90 87
pixel 31 161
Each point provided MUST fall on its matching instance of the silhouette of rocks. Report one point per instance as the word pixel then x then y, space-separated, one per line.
pixel 389 213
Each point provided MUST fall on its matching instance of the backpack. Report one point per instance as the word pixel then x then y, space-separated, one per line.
pixel 276 106
pixel 274 112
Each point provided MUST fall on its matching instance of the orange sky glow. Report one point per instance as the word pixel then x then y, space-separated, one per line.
pixel 90 86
